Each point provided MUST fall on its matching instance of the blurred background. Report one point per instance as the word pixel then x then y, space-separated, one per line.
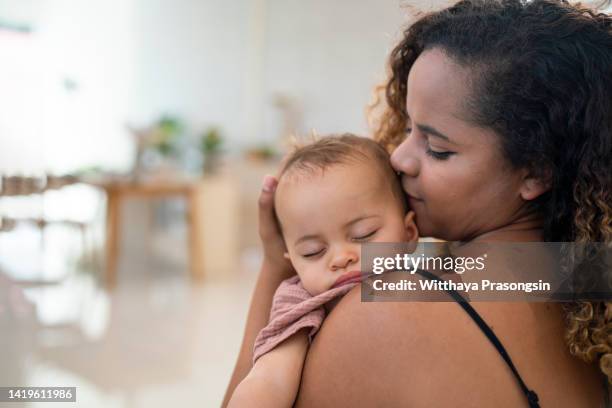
pixel 134 135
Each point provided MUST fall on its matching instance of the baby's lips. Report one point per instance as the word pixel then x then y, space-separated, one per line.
pixel 349 277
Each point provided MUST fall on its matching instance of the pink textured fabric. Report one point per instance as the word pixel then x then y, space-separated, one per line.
pixel 293 308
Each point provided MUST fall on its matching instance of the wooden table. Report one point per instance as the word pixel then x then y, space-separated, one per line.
pixel 118 191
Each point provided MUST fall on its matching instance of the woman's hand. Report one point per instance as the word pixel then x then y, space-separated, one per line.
pixel 269 230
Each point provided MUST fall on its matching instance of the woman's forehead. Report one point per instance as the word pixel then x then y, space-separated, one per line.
pixel 437 97
pixel 437 86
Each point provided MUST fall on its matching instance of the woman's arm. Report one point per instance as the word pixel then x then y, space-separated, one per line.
pixel 275 378
pixel 274 270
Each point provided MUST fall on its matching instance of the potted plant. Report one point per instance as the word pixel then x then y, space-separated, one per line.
pixel 210 146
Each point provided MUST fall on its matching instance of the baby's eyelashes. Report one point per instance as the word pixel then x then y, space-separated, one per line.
pixel 365 236
pixel 313 254
pixel 310 250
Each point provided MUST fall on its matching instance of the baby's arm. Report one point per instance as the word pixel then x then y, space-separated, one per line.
pixel 274 379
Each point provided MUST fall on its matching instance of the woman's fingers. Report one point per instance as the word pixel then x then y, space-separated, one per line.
pixel 268 229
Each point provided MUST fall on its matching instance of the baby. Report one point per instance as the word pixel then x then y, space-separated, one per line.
pixel 332 196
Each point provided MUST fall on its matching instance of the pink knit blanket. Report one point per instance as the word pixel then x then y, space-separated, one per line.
pixel 293 308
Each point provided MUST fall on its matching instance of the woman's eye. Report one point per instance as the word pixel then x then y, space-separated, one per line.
pixel 313 254
pixel 366 236
pixel 439 155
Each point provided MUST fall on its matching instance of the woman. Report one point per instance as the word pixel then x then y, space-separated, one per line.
pixel 499 116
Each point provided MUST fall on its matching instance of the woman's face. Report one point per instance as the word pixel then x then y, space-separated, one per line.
pixel 457 181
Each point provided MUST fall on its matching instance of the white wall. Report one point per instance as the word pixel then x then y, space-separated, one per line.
pixel 190 62
pixel 220 62
pixel 328 55
pixel 91 42
pixel 211 62
pixel 59 129
pixel 21 141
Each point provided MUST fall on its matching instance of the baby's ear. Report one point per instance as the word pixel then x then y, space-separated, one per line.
pixel 412 232
pixel 286 255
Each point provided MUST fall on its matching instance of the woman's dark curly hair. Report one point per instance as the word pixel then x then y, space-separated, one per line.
pixel 541 78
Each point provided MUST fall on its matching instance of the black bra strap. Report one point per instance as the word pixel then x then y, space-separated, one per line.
pixel 532 397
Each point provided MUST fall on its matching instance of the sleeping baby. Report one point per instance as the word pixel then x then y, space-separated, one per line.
pixel 333 195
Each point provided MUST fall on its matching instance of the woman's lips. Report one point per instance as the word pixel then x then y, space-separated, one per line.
pixel 406 188
pixel 411 196
pixel 348 277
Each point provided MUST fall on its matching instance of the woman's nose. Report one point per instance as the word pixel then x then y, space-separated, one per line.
pixel 403 159
pixel 344 258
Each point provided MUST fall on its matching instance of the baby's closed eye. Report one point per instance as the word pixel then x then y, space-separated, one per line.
pixel 362 236
pixel 312 254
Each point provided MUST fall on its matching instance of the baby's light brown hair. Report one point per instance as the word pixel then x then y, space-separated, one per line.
pixel 343 149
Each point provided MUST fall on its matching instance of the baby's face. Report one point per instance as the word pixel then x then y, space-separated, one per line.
pixel 327 215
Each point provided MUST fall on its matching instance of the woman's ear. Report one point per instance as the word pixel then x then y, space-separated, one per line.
pixel 533 187
pixel 412 232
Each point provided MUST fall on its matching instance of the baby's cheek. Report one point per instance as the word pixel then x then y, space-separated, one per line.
pixel 310 283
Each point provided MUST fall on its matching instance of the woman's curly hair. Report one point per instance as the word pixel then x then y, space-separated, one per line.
pixel 541 78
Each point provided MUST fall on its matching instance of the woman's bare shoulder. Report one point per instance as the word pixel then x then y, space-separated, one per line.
pixel 426 353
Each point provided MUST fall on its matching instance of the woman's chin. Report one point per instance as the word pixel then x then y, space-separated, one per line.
pixel 431 231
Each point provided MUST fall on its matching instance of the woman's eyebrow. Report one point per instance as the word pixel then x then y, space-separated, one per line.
pixel 433 132
pixel 430 130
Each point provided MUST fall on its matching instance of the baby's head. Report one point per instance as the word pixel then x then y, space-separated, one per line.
pixel 332 196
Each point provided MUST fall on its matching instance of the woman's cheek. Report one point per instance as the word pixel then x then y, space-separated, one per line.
pixel 439 205
pixel 445 183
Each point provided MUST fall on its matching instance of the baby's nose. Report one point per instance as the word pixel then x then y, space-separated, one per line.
pixel 344 258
